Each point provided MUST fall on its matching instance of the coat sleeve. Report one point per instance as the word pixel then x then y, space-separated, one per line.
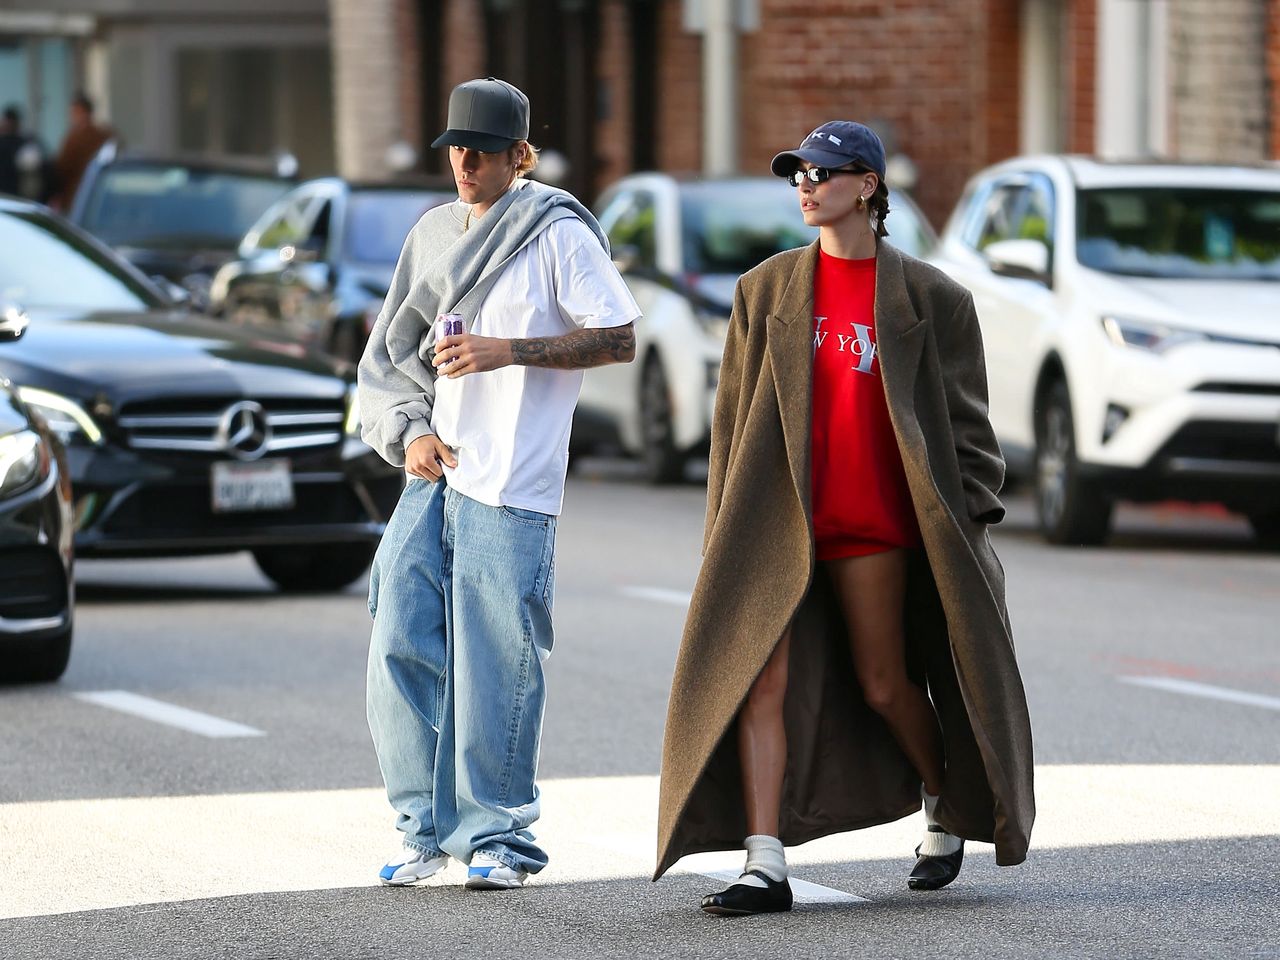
pixel 724 421
pixel 964 371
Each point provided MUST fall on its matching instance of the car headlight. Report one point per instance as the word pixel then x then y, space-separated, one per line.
pixel 352 424
pixel 65 417
pixel 24 461
pixel 1149 335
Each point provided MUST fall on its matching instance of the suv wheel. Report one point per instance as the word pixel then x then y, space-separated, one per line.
pixel 1266 527
pixel 1072 510
pixel 30 661
pixel 663 463
pixel 319 568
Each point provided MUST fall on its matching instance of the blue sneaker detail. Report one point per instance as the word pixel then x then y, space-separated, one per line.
pixel 410 865
pixel 486 873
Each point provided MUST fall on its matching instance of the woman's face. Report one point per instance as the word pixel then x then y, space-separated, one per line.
pixel 834 199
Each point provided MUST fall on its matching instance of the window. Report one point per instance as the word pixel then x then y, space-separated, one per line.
pixel 634 227
pixel 1015 210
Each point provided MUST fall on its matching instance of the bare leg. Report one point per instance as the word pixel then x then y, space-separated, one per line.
pixel 762 743
pixel 871 590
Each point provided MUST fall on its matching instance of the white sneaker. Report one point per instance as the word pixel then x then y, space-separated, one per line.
pixel 409 866
pixel 486 873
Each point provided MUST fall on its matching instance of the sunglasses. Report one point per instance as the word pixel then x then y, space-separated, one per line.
pixel 816 175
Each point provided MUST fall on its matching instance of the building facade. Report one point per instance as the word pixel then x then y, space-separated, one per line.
pixel 241 77
pixel 951 85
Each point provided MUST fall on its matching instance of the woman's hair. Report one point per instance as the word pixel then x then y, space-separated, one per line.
pixel 530 160
pixel 878 203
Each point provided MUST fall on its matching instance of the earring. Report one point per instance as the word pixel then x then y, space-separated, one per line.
pixel 862 202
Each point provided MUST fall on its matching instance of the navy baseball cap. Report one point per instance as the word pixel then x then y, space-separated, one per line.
pixel 834 144
pixel 489 115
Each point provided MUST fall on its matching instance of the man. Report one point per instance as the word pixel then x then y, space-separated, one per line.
pixel 461 587
pixel 84 138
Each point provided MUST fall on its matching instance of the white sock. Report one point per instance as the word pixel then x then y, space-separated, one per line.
pixel 936 842
pixel 766 855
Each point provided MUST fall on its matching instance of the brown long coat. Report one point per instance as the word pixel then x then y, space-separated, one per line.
pixel 844 769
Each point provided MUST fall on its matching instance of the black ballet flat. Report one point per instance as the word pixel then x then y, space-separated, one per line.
pixel 934 873
pixel 746 896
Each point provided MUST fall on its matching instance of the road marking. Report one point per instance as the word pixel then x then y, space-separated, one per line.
pixel 1174 685
pixel 677 598
pixel 168 713
pixel 595 829
pixel 802 890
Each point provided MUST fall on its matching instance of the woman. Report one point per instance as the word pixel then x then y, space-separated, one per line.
pixel 847 568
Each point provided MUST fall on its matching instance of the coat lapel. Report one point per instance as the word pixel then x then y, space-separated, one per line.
pixel 791 357
pixel 900 333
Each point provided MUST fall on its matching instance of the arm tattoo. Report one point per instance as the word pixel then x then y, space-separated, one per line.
pixel 577 350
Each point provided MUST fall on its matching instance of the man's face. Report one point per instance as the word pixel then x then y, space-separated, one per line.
pixel 481 177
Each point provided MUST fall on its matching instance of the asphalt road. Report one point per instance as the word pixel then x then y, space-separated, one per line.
pixel 1152 667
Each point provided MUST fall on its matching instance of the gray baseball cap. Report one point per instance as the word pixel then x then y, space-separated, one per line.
pixel 489 115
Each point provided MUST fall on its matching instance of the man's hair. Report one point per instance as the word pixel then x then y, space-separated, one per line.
pixel 81 100
pixel 530 161
pixel 14 115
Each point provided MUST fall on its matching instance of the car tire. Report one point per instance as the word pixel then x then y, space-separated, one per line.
pixel 1266 527
pixel 36 661
pixel 1071 509
pixel 319 568
pixel 663 462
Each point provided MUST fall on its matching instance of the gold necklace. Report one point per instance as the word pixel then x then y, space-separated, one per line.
pixel 466 224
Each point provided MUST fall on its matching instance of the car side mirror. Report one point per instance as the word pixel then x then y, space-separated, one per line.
pixel 1023 259
pixel 13 322
pixel 626 257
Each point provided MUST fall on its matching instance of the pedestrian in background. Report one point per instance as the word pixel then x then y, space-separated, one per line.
pixel 461 587
pixel 84 138
pixel 20 157
pixel 847 653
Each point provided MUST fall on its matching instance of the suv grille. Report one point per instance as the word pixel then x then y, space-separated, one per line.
pixel 246 429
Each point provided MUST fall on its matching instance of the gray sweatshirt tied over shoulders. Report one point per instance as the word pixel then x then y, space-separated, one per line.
pixel 443 269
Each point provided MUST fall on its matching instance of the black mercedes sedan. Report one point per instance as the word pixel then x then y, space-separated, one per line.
pixel 184 435
pixel 36 548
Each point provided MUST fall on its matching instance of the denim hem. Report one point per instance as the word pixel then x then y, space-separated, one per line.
pixel 503 856
pixel 421 848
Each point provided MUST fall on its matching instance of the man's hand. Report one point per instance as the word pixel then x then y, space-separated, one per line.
pixel 424 456
pixel 467 353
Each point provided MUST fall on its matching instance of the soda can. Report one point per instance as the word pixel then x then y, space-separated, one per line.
pixel 449 325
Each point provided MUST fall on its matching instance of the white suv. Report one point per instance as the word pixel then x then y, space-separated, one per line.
pixel 681 244
pixel 1130 314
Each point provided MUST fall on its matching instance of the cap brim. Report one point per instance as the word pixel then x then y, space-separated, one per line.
pixel 787 162
pixel 484 142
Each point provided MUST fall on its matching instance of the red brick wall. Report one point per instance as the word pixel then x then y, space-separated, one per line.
pixel 1004 66
pixel 1273 75
pixel 679 66
pixel 1082 74
pixel 613 70
pixel 916 69
pixel 464 51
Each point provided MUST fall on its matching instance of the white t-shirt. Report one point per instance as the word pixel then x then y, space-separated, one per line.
pixel 509 428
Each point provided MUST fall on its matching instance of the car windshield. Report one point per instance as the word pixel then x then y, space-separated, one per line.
pixel 731 227
pixel 61 270
pixel 173 205
pixel 378 221
pixel 1180 232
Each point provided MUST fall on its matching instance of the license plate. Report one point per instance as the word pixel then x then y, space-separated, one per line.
pixel 242 487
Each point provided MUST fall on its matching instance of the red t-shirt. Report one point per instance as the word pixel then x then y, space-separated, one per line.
pixel 861 503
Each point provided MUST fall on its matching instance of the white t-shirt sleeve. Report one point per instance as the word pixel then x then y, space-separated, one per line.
pixel 588 288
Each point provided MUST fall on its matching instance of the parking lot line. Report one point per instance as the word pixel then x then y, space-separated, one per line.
pixel 168 714
pixel 679 598
pixel 1174 685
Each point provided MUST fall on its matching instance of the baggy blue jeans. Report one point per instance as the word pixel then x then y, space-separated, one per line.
pixel 461 594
